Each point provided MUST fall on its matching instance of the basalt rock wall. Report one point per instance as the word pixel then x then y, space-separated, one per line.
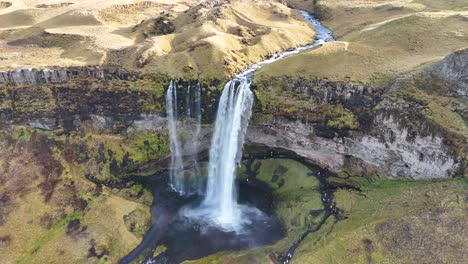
pixel 339 125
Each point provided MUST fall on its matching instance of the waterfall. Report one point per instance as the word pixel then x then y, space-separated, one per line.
pixel 177 165
pixel 178 180
pixel 198 183
pixel 234 111
pixel 220 207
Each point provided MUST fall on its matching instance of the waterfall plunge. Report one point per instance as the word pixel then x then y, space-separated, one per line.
pixel 178 180
pixel 234 111
pixel 177 165
pixel 220 205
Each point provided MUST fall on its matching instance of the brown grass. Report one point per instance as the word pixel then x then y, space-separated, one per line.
pixel 208 39
pixel 379 50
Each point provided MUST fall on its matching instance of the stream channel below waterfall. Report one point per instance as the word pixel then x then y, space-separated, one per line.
pixel 174 237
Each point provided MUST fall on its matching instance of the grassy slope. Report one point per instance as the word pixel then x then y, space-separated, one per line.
pixel 40 228
pixel 222 41
pixel 377 41
pixel 211 40
pixel 395 222
pixel 387 222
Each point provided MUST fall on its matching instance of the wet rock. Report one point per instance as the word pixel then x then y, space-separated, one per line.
pixel 147 122
pixel 102 122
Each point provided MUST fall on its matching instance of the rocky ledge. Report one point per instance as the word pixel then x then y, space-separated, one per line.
pixel 61 75
pixel 382 132
pixel 402 130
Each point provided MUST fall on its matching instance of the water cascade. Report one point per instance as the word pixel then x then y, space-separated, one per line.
pixel 178 180
pixel 194 118
pixel 177 165
pixel 234 111
pixel 220 206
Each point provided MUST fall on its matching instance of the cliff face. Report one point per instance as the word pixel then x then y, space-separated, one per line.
pixel 403 131
pixel 388 149
pixel 453 69
pixel 385 133
pixel 55 107
pixel 60 75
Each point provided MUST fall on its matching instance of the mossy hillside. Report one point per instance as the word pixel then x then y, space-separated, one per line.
pixel 273 99
pixel 388 221
pixel 47 200
pixel 110 158
pixel 394 220
pixel 296 194
pixel 99 234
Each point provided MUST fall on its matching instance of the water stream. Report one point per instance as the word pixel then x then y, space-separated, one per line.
pixel 177 165
pixel 181 183
pixel 220 204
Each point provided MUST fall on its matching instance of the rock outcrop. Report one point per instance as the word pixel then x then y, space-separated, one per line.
pixel 60 75
pixel 453 69
pixel 339 125
pixel 399 133
pixel 387 152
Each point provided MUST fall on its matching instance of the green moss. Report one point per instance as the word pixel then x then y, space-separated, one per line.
pixel 5 93
pixel 344 120
pixel 357 238
pixel 148 146
pixel 111 157
pixel 273 100
pixel 295 193
pixel 389 221
pixel 56 228
pixel 293 174
pixel 22 134
pixel 335 116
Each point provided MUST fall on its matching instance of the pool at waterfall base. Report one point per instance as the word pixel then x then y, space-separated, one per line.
pixel 189 238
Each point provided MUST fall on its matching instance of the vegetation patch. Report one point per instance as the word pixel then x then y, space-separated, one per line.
pixel 47 205
pixel 296 195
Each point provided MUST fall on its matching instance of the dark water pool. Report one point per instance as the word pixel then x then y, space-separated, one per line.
pixel 188 239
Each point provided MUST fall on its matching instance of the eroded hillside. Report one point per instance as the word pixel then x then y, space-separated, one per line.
pixel 207 38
